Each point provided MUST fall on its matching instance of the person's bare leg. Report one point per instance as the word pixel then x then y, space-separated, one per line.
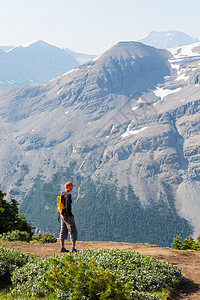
pixel 63 249
pixel 73 246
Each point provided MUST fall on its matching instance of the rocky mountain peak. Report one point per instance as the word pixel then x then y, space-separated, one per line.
pixel 33 62
pixel 126 50
pixel 168 39
pixel 124 68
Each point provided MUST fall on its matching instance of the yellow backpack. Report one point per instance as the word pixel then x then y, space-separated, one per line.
pixel 60 204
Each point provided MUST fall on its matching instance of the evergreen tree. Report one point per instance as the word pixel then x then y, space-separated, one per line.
pixel 10 217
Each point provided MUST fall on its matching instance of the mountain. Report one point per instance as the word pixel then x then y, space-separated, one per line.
pixel 80 57
pixel 168 39
pixel 33 63
pixel 124 127
pixel 6 48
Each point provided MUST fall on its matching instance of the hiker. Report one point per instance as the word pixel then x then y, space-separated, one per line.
pixel 67 220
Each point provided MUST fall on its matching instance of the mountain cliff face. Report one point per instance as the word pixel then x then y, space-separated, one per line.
pixel 125 128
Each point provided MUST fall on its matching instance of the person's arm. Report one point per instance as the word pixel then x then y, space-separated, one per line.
pixel 69 205
pixel 64 201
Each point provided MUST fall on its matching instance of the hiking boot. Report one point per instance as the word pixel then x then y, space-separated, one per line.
pixel 74 250
pixel 63 249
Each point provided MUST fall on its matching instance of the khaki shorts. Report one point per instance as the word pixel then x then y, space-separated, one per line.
pixel 68 226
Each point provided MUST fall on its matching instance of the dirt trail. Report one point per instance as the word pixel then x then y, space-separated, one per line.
pixel 187 261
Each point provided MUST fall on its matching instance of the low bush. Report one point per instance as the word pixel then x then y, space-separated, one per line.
pixel 10 259
pixel 146 273
pixel 27 279
pixel 24 236
pixel 16 235
pixel 81 280
pixel 44 238
pixel 103 274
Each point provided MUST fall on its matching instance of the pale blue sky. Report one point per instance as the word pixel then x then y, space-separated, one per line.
pixel 92 26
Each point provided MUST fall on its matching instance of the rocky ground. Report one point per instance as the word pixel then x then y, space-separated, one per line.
pixel 187 261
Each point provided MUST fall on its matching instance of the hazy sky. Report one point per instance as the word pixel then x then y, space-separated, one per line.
pixel 92 26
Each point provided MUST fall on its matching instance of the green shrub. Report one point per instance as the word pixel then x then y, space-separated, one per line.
pixel 10 259
pixel 44 238
pixel 189 243
pixel 87 272
pixel 146 273
pixel 16 235
pixel 24 236
pixel 27 279
pixel 177 244
pixel 81 280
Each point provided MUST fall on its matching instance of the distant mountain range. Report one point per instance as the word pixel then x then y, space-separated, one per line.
pixel 124 127
pixel 80 57
pixel 168 39
pixel 39 62
pixel 36 62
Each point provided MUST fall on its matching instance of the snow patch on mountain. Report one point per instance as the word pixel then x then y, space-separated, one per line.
pixel 174 65
pixel 134 107
pixel 112 129
pixel 185 51
pixel 60 90
pixel 132 132
pixel 71 71
pixel 160 92
pixel 97 57
pixel 25 45
pixel 183 76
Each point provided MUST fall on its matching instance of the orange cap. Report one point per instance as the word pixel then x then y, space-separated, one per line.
pixel 69 185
